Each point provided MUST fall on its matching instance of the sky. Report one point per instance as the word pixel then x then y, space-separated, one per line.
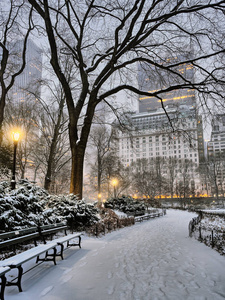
pixel 152 260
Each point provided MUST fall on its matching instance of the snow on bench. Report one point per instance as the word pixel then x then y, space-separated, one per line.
pixel 3 270
pixel 20 236
pixel 66 239
pixel 18 260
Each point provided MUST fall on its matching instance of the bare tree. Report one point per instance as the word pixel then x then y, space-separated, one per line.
pixel 105 39
pixel 100 139
pixel 23 115
pixel 184 174
pixel 14 21
pixel 171 167
pixel 51 137
pixel 216 167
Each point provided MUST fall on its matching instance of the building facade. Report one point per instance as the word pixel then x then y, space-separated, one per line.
pixel 152 79
pixel 216 156
pixel 175 135
pixel 152 136
pixel 28 84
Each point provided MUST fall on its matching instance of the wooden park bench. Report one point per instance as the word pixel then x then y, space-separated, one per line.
pixel 149 216
pixel 47 230
pixel 46 248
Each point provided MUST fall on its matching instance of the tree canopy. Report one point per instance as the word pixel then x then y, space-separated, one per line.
pixel 106 39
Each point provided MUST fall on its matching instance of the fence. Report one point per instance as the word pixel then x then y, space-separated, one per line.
pixel 214 238
pixel 108 225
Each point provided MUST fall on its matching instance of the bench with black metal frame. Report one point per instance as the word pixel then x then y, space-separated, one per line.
pixel 13 238
pixel 52 229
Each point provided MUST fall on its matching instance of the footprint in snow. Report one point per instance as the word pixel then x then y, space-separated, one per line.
pixel 66 278
pixel 95 253
pixel 46 291
pixel 83 264
pixel 111 290
pixel 67 271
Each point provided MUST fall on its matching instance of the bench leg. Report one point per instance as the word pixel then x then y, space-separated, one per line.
pixel 74 244
pixel 18 283
pixel 61 250
pixel 79 241
pixel 3 284
pixel 47 255
pixel 20 273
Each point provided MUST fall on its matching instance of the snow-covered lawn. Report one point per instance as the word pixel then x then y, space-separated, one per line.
pixel 152 260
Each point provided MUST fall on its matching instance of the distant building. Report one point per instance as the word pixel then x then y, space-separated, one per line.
pixel 176 134
pixel 23 104
pixel 28 84
pixel 151 79
pixel 217 141
pixel 216 155
pixel 152 136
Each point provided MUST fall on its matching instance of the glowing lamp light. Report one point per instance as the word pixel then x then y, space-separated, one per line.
pixel 15 136
pixel 114 182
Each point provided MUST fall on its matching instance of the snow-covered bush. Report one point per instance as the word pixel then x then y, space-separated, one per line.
pixel 30 205
pixel 211 229
pixel 127 205
pixel 109 221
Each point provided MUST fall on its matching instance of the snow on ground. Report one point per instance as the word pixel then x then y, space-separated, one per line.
pixel 152 260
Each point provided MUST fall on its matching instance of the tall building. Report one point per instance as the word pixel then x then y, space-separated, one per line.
pixel 177 135
pixel 153 136
pixel 216 144
pixel 28 83
pixel 152 79
pixel 216 154
pixel 22 107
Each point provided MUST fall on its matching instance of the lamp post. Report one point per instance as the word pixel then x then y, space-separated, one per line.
pixel 15 137
pixel 114 183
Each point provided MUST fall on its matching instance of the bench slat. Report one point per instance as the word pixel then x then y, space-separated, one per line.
pixel 19 239
pixel 16 233
pixel 4 270
pixel 23 257
pixel 66 238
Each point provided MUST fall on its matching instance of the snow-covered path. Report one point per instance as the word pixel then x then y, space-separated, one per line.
pixel 152 260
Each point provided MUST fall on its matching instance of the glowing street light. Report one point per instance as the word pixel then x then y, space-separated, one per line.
pixel 15 137
pixel 115 183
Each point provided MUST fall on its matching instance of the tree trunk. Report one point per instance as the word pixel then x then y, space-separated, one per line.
pixel 99 174
pixel 52 152
pixel 2 107
pixel 76 183
pixel 50 162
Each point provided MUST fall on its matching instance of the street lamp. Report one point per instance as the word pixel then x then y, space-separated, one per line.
pixel 114 183
pixel 15 137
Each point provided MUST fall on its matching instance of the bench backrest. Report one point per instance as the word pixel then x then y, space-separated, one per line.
pixel 17 233
pixel 50 226
pixel 32 233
